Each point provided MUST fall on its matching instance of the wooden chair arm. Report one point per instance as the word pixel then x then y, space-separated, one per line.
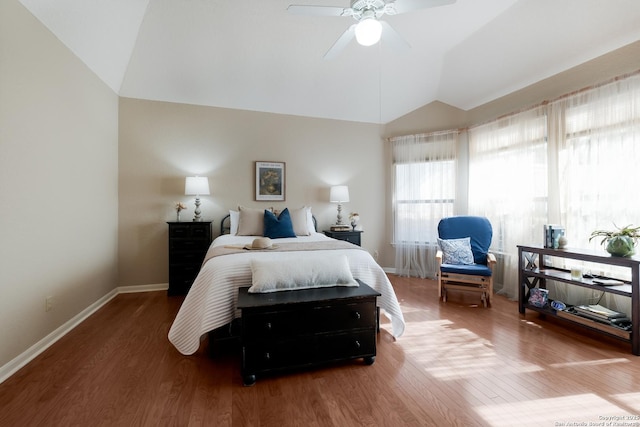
pixel 491 260
pixel 439 258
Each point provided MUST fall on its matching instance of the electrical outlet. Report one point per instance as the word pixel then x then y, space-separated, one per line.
pixel 375 254
pixel 48 303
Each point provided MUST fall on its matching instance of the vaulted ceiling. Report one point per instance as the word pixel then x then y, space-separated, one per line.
pixel 254 55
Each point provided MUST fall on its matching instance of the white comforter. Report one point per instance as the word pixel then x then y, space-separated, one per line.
pixel 211 302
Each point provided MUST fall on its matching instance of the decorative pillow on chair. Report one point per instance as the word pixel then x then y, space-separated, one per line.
pixel 278 227
pixel 456 251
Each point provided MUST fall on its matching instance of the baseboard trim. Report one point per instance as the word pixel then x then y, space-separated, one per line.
pixel 143 288
pixel 35 350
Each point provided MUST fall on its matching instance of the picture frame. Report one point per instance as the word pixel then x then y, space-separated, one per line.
pixel 270 181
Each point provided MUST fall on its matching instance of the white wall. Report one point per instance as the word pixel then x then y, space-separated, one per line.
pixel 58 183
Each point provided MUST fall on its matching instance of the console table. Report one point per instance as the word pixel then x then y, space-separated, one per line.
pixel 536 268
pixel 307 327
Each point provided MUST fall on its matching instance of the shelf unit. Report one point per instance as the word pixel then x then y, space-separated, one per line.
pixel 535 269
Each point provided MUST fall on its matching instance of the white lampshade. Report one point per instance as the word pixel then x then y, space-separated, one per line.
pixel 196 186
pixel 339 194
pixel 368 31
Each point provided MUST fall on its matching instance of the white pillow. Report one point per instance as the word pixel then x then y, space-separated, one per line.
pixel 456 251
pixel 234 216
pixel 250 222
pixel 301 272
pixel 310 224
pixel 300 221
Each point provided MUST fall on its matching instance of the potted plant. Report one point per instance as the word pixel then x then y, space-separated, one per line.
pixel 621 242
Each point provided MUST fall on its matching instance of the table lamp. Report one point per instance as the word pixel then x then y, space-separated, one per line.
pixel 339 194
pixel 196 186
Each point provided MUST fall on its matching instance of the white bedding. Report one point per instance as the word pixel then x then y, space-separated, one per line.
pixel 212 300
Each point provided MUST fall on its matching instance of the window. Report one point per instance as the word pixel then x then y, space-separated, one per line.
pixel 425 192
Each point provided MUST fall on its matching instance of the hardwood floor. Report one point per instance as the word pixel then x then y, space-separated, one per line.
pixel 457 364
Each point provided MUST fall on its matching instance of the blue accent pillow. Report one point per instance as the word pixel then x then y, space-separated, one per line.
pixel 278 227
pixel 456 251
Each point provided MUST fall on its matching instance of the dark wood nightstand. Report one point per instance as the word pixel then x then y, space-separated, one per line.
pixel 349 236
pixel 188 244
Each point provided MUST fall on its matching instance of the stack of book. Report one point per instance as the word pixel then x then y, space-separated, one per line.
pixel 340 227
pixel 598 313
pixel 552 234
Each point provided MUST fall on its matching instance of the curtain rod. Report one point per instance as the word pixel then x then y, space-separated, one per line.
pixel 559 98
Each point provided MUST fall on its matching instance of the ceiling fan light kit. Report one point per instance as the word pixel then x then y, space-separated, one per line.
pixel 369 29
pixel 368 32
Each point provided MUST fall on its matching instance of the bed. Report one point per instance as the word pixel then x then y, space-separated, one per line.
pixel 212 299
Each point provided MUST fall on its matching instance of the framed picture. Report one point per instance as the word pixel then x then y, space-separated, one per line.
pixel 270 180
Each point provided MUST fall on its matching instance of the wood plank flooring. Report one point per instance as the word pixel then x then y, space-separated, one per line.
pixel 457 364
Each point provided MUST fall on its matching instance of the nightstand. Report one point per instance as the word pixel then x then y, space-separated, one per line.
pixel 349 236
pixel 188 244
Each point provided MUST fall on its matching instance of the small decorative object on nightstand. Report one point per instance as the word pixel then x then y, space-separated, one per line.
pixel 354 217
pixel 179 207
pixel 348 236
pixel 188 244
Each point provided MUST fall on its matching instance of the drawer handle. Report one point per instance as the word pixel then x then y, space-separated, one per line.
pixel 267 356
pixel 267 326
pixel 357 344
pixel 356 315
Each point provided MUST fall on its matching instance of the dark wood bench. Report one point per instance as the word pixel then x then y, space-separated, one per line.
pixel 309 327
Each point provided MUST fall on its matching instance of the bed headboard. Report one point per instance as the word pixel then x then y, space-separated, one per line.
pixel 225 224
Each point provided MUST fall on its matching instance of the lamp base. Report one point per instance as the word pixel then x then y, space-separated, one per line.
pixel 339 217
pixel 196 217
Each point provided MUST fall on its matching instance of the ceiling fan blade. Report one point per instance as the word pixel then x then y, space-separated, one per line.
pixel 297 9
pixel 404 6
pixel 391 37
pixel 341 43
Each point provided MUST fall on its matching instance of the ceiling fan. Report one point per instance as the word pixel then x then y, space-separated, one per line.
pixel 369 28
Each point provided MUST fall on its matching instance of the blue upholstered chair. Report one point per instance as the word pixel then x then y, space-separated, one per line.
pixel 463 258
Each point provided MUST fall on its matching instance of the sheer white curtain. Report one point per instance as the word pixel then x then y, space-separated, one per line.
pixel 599 153
pixel 508 185
pixel 598 138
pixel 424 191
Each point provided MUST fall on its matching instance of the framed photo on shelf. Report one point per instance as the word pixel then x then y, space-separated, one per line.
pixel 270 181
